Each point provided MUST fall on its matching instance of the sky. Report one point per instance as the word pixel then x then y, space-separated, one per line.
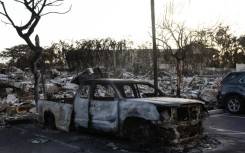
pixel 118 19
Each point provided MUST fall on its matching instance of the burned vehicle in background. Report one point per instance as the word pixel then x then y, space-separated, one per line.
pixel 126 108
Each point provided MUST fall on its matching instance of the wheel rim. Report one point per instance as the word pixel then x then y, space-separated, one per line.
pixel 234 105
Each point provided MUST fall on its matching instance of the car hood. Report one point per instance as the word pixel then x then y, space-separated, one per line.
pixel 167 101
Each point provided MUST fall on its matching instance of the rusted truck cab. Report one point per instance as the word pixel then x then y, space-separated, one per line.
pixel 127 108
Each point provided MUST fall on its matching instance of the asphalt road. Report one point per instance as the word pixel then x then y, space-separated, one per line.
pixel 224 133
pixel 229 130
pixel 34 138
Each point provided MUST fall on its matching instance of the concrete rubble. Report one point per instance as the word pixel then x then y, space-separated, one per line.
pixel 16 88
pixel 202 87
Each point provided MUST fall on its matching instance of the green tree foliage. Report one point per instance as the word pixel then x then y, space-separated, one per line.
pixel 239 54
pixel 85 53
pixel 97 52
pixel 19 56
pixel 231 47
pixel 54 56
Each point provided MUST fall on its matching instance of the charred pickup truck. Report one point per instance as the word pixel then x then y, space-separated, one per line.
pixel 127 108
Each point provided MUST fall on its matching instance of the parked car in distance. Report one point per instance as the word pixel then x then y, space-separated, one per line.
pixel 231 92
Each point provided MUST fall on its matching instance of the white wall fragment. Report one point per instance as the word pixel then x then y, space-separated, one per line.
pixel 240 67
pixel 11 98
pixel 70 86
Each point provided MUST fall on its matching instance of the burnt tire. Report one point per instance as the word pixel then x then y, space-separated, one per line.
pixel 142 138
pixel 49 120
pixel 234 105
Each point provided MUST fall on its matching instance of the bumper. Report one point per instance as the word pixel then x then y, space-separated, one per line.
pixel 178 133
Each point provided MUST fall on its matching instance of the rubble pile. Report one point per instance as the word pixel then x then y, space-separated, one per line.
pixel 60 88
pixel 15 94
pixel 202 87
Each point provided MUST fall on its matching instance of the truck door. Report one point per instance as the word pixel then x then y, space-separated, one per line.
pixel 81 106
pixel 104 108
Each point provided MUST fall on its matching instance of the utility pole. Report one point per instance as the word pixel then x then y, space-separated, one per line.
pixel 154 46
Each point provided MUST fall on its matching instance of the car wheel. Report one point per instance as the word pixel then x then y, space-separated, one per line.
pixel 234 105
pixel 142 138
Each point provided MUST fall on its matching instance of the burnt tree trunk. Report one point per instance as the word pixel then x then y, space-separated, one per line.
pixel 37 57
pixel 36 73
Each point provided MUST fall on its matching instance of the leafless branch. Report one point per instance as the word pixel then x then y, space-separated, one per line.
pixel 19 1
pixel 6 22
pixel 6 14
pixel 2 14
pixel 58 12
pixel 55 3
pixel 35 7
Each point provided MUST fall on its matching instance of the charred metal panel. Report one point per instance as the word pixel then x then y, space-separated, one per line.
pixel 104 115
pixel 81 112
pixel 168 101
pixel 103 108
pixel 61 111
pixel 81 106
pixel 131 108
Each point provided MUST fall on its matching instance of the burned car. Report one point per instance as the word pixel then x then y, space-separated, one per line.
pixel 126 108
